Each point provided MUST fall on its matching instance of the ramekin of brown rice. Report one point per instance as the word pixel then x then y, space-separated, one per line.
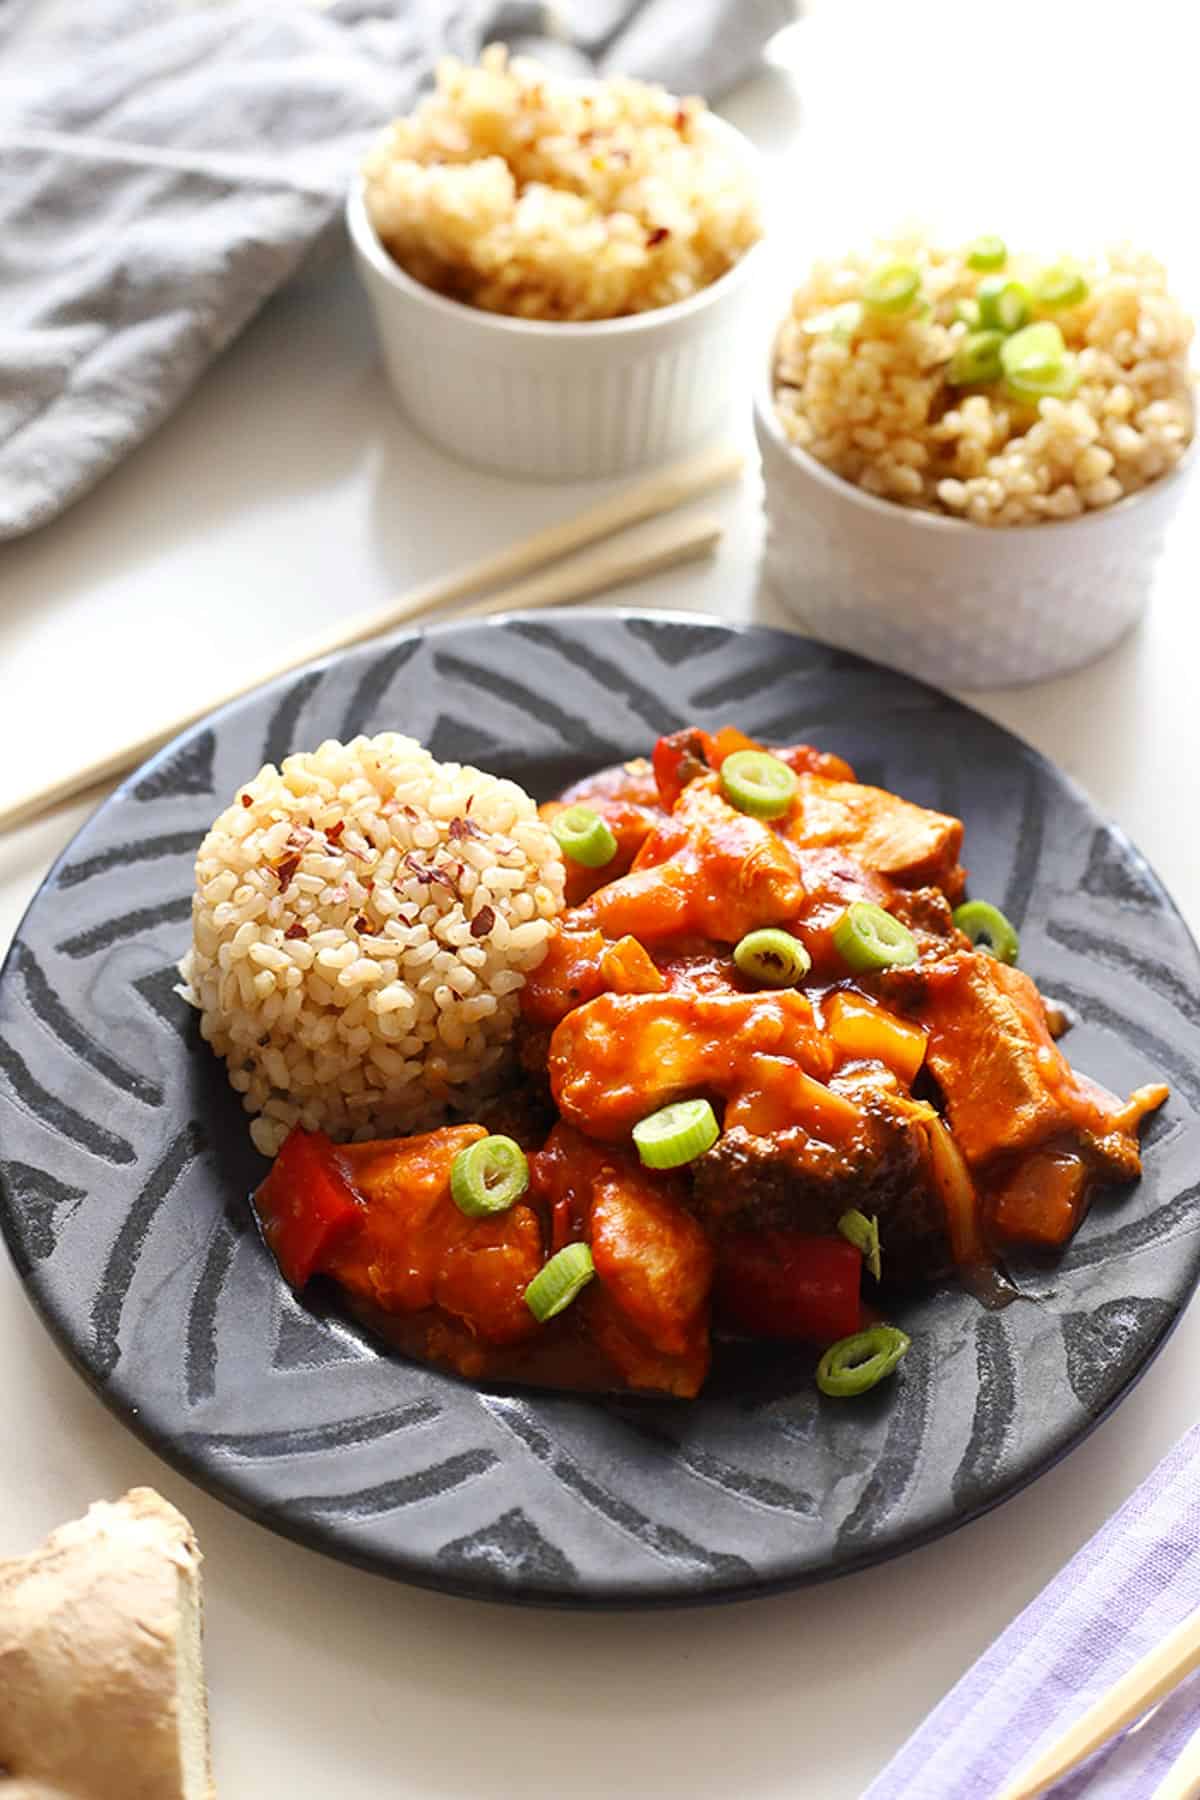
pixel 971 458
pixel 559 270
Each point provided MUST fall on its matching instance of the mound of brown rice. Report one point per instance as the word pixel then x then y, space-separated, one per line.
pixel 523 192
pixel 362 923
pixel 871 399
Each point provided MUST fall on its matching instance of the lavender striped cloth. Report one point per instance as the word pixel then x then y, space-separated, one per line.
pixel 1124 1591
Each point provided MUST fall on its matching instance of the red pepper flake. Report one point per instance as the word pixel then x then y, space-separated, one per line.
pixel 483 921
pixel 361 923
pixel 299 837
pixel 295 930
pixel 246 800
pixel 428 873
pixel 334 832
pixel 470 803
pixel 285 870
pixel 410 812
pixel 461 828
pixel 656 236
pixel 682 119
pixel 368 884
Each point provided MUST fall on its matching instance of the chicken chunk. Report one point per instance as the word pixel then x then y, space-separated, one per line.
pixel 886 835
pixel 416 1250
pixel 621 1056
pixel 708 869
pixel 1008 1087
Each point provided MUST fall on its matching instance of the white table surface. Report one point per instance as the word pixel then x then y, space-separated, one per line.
pixel 286 492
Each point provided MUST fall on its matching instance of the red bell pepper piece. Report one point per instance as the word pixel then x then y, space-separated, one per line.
pixel 678 759
pixel 306 1205
pixel 784 1284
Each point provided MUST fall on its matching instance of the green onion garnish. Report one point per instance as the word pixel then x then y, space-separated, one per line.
pixel 977 358
pixel 1059 386
pixel 559 1282
pixel 585 837
pixel 1062 285
pixel 676 1134
pixel 863 1233
pixel 1003 304
pixel 987 253
pixel 757 783
pixel 1036 363
pixel 988 929
pixel 840 322
pixel 488 1177
pixel 857 1364
pixel 773 958
pixel 867 937
pixel 891 289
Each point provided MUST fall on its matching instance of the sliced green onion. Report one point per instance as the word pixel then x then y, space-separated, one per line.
pixel 559 1282
pixel 488 1177
pixel 857 1364
pixel 1036 352
pixel 1036 362
pixel 1062 285
pixel 977 358
pixel 867 937
pixel 1003 304
pixel 863 1233
pixel 585 837
pixel 987 253
pixel 988 929
pixel 1059 386
pixel 757 783
pixel 676 1134
pixel 774 958
pixel 892 288
pixel 840 322
pixel 966 312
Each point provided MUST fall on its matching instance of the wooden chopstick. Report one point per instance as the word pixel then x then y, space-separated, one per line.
pixel 1182 1779
pixel 1156 1675
pixel 663 543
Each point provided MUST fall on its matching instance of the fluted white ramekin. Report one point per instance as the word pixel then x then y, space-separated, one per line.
pixel 554 400
pixel 957 604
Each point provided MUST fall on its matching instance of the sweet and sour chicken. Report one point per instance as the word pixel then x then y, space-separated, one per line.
pixel 771 1069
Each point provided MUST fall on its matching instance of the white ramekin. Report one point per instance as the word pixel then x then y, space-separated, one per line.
pixel 552 400
pixel 957 604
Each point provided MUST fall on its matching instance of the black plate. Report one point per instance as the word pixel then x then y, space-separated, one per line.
pixel 126 1161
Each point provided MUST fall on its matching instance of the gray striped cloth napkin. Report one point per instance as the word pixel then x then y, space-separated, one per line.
pixel 1125 1590
pixel 165 165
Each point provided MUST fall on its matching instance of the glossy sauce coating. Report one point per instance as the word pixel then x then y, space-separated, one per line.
pixel 933 1096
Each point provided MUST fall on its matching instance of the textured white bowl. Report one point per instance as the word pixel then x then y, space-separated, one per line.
pixel 957 604
pixel 552 400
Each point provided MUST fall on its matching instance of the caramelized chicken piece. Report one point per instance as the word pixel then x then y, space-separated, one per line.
pixel 647 1311
pixel 416 1250
pixel 884 834
pixel 708 869
pixel 1008 1087
pixel 622 1056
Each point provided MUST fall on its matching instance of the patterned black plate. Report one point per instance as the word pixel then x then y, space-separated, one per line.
pixel 126 1161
